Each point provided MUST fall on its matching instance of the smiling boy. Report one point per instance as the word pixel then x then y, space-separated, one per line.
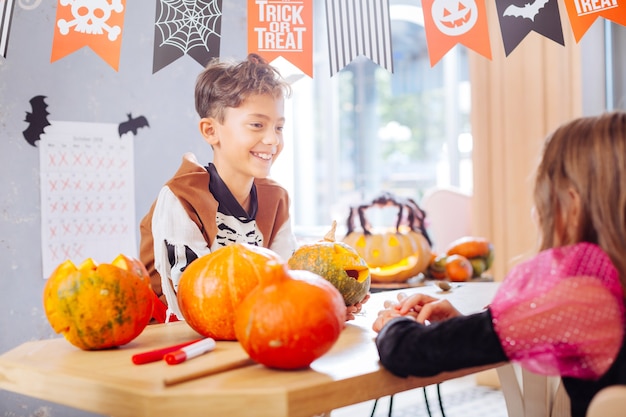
pixel 203 208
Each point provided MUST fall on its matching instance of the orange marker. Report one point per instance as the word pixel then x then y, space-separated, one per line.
pixel 191 351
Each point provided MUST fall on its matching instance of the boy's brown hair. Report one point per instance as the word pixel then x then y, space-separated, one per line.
pixel 226 84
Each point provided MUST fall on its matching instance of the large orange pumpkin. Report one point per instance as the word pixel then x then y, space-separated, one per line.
pixel 397 253
pixel 290 319
pixel 99 306
pixel 336 261
pixel 213 286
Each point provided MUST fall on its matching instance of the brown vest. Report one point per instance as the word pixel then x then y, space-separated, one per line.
pixel 191 185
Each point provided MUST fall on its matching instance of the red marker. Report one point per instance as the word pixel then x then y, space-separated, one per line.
pixel 158 354
pixel 190 351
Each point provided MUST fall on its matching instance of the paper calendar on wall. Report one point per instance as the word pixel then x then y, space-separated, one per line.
pixel 87 194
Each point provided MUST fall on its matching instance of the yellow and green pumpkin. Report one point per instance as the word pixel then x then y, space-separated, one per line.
pixel 338 263
pixel 99 306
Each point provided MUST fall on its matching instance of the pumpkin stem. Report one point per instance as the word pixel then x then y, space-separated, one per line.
pixel 330 236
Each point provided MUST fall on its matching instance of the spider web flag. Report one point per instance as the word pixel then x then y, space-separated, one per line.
pixel 6 9
pixel 358 27
pixel 282 28
pixel 191 27
pixel 93 23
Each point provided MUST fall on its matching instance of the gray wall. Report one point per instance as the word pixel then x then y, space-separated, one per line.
pixel 83 87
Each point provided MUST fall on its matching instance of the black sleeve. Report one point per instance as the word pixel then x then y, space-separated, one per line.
pixel 410 348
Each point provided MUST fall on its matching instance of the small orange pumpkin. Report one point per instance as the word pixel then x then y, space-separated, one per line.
pixel 393 255
pixel 290 319
pixel 213 286
pixel 99 306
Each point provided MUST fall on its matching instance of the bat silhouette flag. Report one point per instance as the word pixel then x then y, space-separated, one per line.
pixel 37 120
pixel 519 17
pixel 132 124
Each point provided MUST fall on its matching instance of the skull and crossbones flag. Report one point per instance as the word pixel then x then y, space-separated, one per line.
pixel 6 9
pixel 186 27
pixel 94 23
pixel 358 27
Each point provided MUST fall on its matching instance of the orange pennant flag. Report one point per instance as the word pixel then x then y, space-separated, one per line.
pixel 582 13
pixel 449 22
pixel 282 28
pixel 92 23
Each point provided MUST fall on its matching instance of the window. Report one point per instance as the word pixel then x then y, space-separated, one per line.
pixel 364 131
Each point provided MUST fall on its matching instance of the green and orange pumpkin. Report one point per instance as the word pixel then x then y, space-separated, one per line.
pixel 99 306
pixel 337 262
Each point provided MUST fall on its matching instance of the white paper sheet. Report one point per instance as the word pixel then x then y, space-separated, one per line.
pixel 87 193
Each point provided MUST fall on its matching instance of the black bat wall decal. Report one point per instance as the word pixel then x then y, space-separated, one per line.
pixel 132 124
pixel 528 11
pixel 37 120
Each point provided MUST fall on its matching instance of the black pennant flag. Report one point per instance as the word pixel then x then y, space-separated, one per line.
pixel 186 27
pixel 519 17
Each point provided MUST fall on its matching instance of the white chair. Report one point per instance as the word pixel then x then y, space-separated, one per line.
pixel 448 215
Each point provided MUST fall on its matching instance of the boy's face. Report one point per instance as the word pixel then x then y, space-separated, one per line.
pixel 246 144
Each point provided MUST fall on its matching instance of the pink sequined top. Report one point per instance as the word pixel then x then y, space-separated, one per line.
pixel 562 312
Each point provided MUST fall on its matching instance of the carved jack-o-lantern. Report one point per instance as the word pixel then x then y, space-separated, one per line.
pixel 454 17
pixel 395 254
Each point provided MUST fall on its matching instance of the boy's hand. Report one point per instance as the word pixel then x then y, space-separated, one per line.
pixel 353 310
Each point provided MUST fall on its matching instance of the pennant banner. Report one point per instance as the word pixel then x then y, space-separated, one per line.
pixel 282 28
pixel 582 13
pixel 358 27
pixel 6 11
pixel 448 23
pixel 97 24
pixel 519 17
pixel 191 27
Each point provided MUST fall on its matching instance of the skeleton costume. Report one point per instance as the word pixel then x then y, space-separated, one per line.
pixel 195 213
pixel 560 313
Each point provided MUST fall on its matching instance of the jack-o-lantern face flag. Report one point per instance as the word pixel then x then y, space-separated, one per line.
pixel 94 23
pixel 519 17
pixel 582 13
pixel 282 28
pixel 449 22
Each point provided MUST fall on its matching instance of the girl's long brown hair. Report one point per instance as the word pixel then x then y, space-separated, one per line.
pixel 587 155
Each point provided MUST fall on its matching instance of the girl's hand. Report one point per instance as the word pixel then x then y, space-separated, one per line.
pixel 420 307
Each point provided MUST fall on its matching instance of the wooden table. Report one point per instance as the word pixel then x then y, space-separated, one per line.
pixel 107 382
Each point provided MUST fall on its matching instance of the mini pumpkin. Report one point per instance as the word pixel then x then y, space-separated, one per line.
pixel 337 262
pixel 397 253
pixel 290 319
pixel 99 306
pixel 213 286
